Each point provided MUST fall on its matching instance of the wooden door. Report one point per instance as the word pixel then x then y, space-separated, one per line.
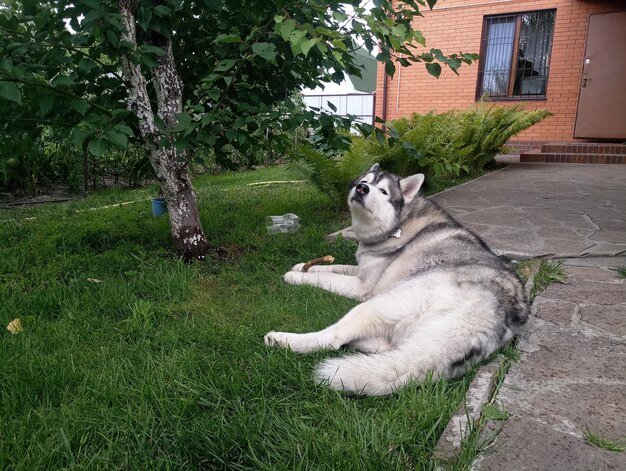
pixel 602 100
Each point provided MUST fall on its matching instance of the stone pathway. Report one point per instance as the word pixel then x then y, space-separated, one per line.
pixel 545 209
pixel 571 375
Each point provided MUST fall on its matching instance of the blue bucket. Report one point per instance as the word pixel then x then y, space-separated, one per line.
pixel 159 207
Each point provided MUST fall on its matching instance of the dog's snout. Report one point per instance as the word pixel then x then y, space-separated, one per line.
pixel 362 189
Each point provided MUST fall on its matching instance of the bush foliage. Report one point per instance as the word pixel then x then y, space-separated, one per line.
pixel 443 146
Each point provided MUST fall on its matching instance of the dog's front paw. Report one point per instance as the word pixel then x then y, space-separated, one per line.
pixel 283 339
pixel 276 339
pixel 297 267
pixel 299 343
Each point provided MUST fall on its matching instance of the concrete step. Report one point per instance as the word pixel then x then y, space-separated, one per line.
pixel 583 148
pixel 571 158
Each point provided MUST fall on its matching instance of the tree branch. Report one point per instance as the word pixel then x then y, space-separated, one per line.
pixel 57 90
pixel 62 46
pixel 38 121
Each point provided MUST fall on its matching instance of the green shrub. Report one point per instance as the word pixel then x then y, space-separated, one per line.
pixel 423 143
pixel 331 175
pixel 450 144
pixel 485 130
pixel 445 147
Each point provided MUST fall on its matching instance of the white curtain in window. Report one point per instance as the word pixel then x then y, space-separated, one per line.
pixel 498 54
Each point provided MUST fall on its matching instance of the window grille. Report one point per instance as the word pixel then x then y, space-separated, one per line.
pixel 515 55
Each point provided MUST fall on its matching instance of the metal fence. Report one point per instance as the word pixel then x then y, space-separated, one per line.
pixel 361 105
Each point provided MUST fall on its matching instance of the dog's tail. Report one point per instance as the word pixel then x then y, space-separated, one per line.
pixel 377 374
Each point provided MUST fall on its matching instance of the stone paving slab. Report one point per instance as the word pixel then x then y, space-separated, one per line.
pixel 543 209
pixel 571 375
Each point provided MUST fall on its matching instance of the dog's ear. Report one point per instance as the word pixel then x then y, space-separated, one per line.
pixel 375 168
pixel 410 186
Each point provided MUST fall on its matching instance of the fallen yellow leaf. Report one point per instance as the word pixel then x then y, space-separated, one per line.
pixel 15 326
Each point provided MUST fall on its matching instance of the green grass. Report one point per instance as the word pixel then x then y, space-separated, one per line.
pixel 162 364
pixel 541 273
pixel 621 272
pixel 596 438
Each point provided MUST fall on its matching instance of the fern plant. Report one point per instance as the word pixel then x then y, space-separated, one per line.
pixel 331 175
pixel 485 129
pixel 444 146
pixel 449 144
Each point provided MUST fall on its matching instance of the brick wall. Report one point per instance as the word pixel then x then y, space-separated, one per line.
pixel 456 25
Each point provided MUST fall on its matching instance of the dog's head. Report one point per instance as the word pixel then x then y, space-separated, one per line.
pixel 376 200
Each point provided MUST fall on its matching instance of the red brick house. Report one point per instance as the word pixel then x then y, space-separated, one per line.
pixel 568 56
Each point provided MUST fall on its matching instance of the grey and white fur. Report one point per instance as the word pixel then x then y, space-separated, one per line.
pixel 435 297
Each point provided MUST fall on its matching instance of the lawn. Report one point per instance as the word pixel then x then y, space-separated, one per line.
pixel 131 359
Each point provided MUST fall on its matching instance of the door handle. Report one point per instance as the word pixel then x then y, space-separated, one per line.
pixel 584 83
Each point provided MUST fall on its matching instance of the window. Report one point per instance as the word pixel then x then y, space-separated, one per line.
pixel 515 55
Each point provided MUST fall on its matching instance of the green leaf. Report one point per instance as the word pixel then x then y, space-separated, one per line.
pixel 152 49
pixel 380 136
pixel 493 412
pixel 434 69
pixel 399 30
pixel 468 58
pixel 285 29
pixel 45 103
pixel 123 128
pixel 431 3
pixel 78 136
pixel 96 146
pixel 215 5
pixel 95 4
pixel 419 37
pixel 438 55
pixel 144 16
pixel 390 68
pixel 63 80
pixel 118 139
pixel 9 91
pixel 307 45
pixel 111 37
pixel 266 50
pixel 331 106
pixel 297 39
pixel 81 106
pixel 85 65
pixel 454 64
pixel 227 38
pixel 225 65
pixel 162 10
pixel 340 16
pixel 213 93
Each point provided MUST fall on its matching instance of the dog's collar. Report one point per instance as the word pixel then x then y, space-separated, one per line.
pixel 381 238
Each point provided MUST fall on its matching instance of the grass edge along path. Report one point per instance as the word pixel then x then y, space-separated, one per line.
pixel 537 274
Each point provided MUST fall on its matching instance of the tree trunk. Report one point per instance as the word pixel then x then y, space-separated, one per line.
pixel 182 206
pixel 169 164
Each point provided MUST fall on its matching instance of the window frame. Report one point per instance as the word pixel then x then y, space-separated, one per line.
pixel 513 70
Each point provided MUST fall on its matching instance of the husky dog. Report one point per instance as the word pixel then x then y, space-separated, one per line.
pixel 435 297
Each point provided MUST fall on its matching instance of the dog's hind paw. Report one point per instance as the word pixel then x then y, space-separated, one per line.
pixel 293 277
